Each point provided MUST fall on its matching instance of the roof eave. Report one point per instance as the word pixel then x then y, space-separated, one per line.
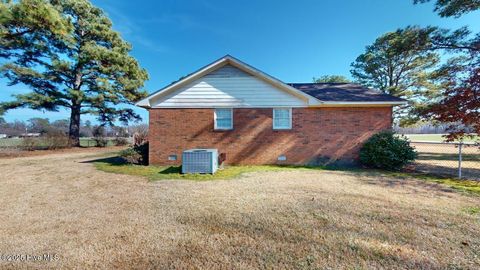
pixel 390 103
pixel 144 103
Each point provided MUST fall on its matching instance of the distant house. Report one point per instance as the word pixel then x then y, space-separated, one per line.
pixel 254 118
pixel 29 135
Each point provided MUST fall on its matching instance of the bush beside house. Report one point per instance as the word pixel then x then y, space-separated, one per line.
pixel 138 153
pixel 386 150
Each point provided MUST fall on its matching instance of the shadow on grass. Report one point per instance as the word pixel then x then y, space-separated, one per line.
pixel 451 157
pixel 119 161
pixel 114 161
pixel 448 170
pixel 378 177
pixel 171 170
pixel 115 164
pixel 360 171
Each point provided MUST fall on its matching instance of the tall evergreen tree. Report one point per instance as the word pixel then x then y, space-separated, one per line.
pixel 398 63
pixel 68 54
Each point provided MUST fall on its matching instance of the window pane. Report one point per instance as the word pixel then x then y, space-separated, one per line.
pixel 223 118
pixel 281 119
pixel 223 113
pixel 282 123
pixel 276 122
pixel 281 113
pixel 224 123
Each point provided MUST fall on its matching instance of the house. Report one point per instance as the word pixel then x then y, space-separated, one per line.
pixel 29 135
pixel 254 118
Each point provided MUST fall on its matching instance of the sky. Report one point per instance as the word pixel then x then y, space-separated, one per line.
pixel 290 40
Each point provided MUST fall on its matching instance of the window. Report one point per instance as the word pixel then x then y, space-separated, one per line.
pixel 282 118
pixel 223 119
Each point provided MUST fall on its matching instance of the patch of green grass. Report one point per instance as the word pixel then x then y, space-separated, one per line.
pixel 463 185
pixel 473 210
pixel 16 142
pixel 433 138
pixel 470 186
pixel 90 142
pixel 448 157
pixel 10 142
pixel 152 172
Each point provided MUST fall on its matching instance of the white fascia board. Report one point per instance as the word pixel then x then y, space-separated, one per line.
pixel 144 103
pixel 226 106
pixel 364 103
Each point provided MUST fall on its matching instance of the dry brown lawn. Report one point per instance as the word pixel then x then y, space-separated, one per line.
pixel 60 204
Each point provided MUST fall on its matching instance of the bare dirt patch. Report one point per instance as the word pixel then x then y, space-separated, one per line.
pixel 60 204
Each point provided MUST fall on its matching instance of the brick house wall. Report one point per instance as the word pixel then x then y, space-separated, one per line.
pixel 318 135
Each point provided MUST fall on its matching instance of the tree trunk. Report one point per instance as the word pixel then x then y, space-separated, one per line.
pixel 74 130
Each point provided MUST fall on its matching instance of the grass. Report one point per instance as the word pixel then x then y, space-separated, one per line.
pixel 442 159
pixel 447 156
pixel 89 142
pixel 469 186
pixel 433 138
pixel 472 210
pixel 15 142
pixel 288 219
pixel 153 173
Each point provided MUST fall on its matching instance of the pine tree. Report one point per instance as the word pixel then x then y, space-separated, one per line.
pixel 67 53
pixel 398 63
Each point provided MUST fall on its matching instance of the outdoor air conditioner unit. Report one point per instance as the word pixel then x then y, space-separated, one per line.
pixel 200 161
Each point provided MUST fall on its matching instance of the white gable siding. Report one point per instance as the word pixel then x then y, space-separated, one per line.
pixel 228 86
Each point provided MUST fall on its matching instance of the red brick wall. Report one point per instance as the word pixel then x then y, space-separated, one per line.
pixel 318 134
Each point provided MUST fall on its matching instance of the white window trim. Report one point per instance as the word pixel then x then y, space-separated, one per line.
pixel 289 115
pixel 215 119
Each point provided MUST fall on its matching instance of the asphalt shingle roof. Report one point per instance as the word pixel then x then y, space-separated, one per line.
pixel 347 92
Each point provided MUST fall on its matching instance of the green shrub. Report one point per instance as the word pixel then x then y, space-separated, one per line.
pixel 137 154
pixel 130 156
pixel 386 150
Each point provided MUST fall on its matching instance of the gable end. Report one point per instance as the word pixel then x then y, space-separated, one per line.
pixel 233 69
pixel 227 86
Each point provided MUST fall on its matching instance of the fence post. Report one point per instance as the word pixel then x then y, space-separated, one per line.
pixel 460 160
